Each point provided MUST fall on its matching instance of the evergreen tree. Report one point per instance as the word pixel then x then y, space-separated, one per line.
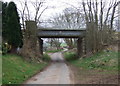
pixel 13 32
pixel 4 7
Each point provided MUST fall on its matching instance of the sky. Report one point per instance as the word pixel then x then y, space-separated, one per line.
pixel 59 6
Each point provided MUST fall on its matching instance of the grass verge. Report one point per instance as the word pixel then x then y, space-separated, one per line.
pixel 16 70
pixel 101 60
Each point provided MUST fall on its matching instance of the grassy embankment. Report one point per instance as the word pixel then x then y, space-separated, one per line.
pixel 101 60
pixel 100 68
pixel 16 70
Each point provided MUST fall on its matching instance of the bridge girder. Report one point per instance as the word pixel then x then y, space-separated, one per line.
pixel 60 33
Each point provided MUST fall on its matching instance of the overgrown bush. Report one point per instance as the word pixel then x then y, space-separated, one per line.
pixel 69 56
pixel 4 49
pixel 46 58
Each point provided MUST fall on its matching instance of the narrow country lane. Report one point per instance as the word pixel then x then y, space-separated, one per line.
pixel 57 73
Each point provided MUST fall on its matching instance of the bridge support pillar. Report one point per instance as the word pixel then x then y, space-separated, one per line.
pixel 79 47
pixel 30 50
pixel 41 46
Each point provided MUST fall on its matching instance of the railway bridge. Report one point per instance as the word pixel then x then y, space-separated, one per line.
pixel 55 33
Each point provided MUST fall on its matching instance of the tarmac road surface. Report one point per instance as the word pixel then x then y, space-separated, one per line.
pixel 57 73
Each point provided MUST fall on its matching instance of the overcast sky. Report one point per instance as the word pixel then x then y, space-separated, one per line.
pixel 59 6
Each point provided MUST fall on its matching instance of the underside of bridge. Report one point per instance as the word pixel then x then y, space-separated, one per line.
pixel 58 33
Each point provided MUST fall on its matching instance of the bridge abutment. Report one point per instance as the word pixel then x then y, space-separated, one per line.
pixel 30 49
pixel 41 46
pixel 80 47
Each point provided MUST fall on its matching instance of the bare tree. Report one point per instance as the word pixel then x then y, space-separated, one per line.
pixel 38 4
pixel 26 15
pixel 23 12
pixel 99 23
